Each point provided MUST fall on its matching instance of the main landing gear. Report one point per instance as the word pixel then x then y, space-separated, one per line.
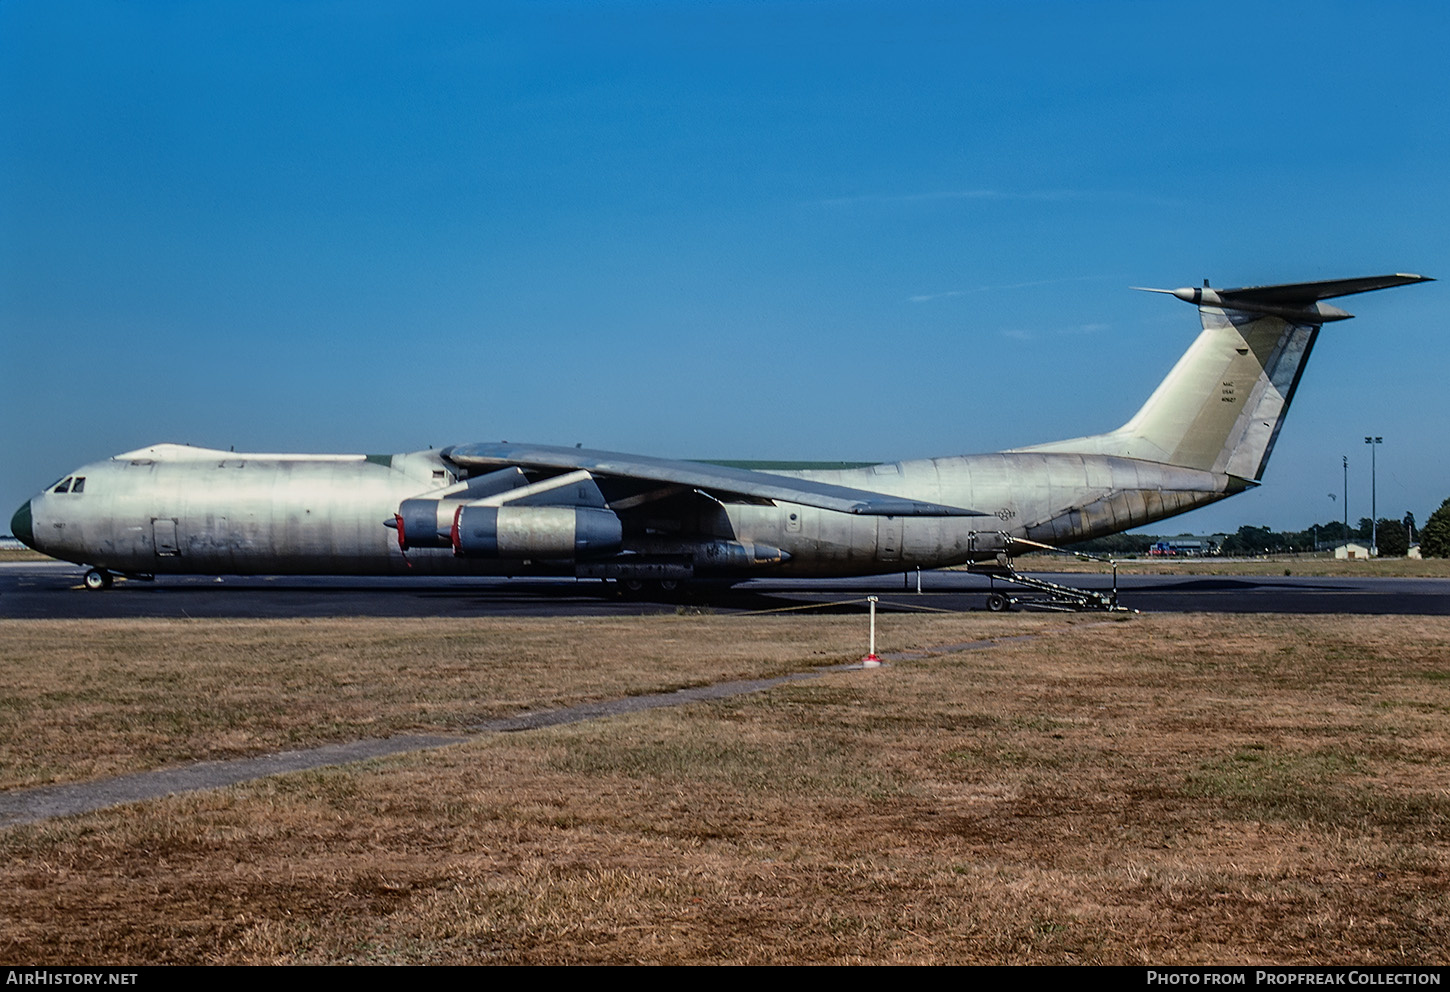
pixel 99 579
pixel 668 590
pixel 1045 595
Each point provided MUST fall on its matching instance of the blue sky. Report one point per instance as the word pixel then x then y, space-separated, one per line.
pixel 736 230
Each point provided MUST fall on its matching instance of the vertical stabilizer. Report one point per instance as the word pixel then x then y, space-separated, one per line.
pixel 1221 408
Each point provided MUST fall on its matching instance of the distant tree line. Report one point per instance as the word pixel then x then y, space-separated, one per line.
pixel 1393 537
pixel 1435 537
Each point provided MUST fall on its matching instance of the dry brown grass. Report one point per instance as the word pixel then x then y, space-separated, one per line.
pixel 1155 789
pixel 22 554
pixel 82 699
pixel 1312 565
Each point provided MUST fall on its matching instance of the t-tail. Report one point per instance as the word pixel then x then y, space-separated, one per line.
pixel 1221 407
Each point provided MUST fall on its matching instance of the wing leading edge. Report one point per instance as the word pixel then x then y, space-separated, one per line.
pixel 715 479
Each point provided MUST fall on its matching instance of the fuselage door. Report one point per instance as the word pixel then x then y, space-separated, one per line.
pixel 163 534
pixel 888 538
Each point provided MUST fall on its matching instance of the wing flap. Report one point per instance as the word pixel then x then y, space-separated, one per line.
pixel 716 479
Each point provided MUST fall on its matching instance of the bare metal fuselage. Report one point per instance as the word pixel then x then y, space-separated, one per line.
pixel 178 510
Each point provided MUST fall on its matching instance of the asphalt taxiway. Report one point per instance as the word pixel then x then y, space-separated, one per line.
pixel 53 590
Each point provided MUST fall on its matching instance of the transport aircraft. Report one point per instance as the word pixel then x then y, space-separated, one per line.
pixel 498 508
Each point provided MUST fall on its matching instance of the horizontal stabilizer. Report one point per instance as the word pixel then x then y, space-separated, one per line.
pixel 1297 302
pixel 1289 294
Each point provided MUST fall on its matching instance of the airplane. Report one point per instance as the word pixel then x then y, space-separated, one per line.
pixel 654 524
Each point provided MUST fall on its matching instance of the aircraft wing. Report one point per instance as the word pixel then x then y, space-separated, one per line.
pixel 716 480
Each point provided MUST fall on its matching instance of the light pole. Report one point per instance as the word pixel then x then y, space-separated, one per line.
pixel 1346 501
pixel 1374 544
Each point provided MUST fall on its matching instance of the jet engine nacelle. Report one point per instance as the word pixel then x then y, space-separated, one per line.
pixel 421 523
pixel 527 532
pixel 425 521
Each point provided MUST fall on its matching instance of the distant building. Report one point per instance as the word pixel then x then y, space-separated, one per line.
pixel 1351 550
pixel 1414 552
pixel 1185 547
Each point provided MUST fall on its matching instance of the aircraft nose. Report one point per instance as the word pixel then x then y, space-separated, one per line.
pixel 21 526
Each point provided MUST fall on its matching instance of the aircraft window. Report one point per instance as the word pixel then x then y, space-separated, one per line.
pixel 79 486
pixel 64 487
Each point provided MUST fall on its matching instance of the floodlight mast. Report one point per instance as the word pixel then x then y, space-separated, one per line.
pixel 1345 507
pixel 1374 520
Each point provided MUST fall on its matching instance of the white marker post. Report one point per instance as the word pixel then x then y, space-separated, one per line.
pixel 871 661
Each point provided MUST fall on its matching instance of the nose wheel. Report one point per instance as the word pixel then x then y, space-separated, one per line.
pixel 97 579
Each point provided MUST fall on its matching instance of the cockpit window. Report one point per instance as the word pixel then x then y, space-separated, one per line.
pixel 79 486
pixel 64 487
